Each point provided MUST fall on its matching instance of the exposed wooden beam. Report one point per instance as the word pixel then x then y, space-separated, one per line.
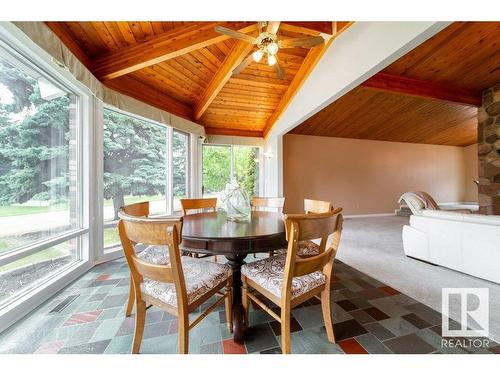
pixel 239 51
pixel 312 58
pixel 63 34
pixel 309 63
pixel 150 95
pixel 163 47
pixel 308 28
pixel 234 132
pixel 315 28
pixel 429 90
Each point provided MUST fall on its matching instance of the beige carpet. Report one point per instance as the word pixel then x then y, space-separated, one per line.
pixel 374 246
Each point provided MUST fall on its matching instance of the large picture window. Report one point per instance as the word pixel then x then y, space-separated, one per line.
pixel 40 176
pixel 224 163
pixel 135 168
pixel 139 156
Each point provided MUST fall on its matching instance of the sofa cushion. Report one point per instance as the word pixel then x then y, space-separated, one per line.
pixel 458 216
pixel 414 202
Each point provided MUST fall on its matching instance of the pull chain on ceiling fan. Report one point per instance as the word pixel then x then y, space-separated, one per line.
pixel 268 44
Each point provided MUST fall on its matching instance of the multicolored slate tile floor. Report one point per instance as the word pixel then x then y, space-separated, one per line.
pixel 89 317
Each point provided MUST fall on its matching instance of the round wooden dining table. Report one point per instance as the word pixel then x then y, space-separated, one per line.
pixel 212 233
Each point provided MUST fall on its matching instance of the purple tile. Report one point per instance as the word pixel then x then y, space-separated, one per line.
pixel 376 313
pixel 347 305
pixel 348 329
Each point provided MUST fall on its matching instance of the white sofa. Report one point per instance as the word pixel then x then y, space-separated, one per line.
pixel 464 242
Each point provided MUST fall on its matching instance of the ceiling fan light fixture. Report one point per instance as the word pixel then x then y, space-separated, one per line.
pixel 272 48
pixel 257 55
pixel 271 60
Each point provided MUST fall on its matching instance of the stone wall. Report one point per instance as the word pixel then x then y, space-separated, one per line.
pixel 489 152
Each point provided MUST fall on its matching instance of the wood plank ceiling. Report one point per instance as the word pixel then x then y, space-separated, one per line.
pixel 185 68
pixel 430 95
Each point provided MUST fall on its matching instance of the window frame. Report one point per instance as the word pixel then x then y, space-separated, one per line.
pixel 231 155
pixel 115 252
pixel 188 165
pixel 27 54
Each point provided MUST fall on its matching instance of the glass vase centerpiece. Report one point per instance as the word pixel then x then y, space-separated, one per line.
pixel 236 202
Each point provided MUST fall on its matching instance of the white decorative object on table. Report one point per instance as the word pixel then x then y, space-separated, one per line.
pixel 236 202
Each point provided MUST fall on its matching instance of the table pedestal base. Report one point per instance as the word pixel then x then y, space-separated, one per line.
pixel 236 261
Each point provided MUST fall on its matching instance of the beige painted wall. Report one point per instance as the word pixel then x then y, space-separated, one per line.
pixel 368 177
pixel 471 172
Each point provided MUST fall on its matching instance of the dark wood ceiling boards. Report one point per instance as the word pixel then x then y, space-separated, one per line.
pixel 185 68
pixel 465 54
pixel 430 95
pixel 368 114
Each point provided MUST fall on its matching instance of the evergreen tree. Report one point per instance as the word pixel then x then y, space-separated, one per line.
pixel 134 158
pixel 34 142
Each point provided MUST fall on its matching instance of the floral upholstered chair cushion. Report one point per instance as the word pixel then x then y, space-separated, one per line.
pixel 155 254
pixel 201 277
pixel 305 249
pixel 268 273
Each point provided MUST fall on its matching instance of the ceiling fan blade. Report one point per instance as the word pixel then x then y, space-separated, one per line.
pixel 273 26
pixel 279 70
pixel 307 42
pixel 261 26
pixel 247 61
pixel 235 34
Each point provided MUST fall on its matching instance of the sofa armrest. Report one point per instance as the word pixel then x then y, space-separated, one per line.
pixel 416 243
pixel 457 210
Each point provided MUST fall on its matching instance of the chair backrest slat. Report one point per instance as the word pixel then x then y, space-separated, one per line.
pixel 312 206
pixel 161 273
pixel 311 264
pixel 137 209
pixel 306 227
pixel 313 226
pixel 274 204
pixel 149 231
pixel 198 204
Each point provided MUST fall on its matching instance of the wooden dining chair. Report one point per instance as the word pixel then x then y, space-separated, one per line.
pixel 310 248
pixel 273 204
pixel 198 205
pixel 178 285
pixel 140 209
pixel 288 280
pixel 193 206
pixel 312 206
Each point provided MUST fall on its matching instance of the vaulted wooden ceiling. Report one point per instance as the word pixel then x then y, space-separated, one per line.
pixel 430 95
pixel 185 68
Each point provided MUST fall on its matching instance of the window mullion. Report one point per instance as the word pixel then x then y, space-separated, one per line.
pixel 25 251
pixel 169 198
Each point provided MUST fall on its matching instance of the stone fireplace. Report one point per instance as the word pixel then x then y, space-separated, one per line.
pixel 489 152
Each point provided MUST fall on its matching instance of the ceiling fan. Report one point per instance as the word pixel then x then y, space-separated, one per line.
pixel 268 44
